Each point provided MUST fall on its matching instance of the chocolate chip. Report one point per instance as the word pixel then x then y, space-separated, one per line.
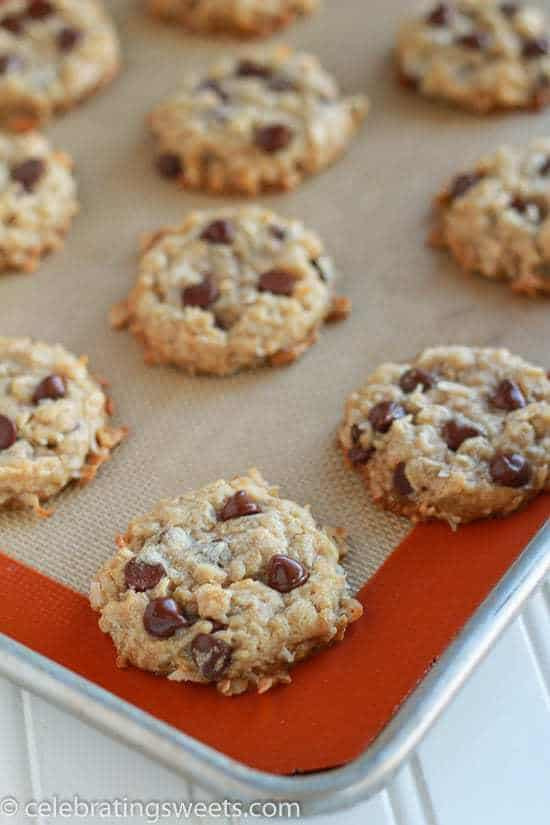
pixel 39 9
pixel 475 41
pixel 440 16
pixel 212 656
pixel 400 481
pixel 360 455
pixel 527 207
pixel 277 232
pixel 200 295
pixel 408 81
pixel 318 266
pixel 273 138
pixel 535 47
pixel 216 625
pixel 140 576
pixel 68 38
pixel 169 166
pixel 415 377
pixel 285 574
pixel 8 432
pixel 462 183
pixel 28 173
pixel 251 68
pixel 12 23
pixel 455 433
pixel 281 83
pixel 52 387
pixel 384 414
pixel 238 505
pixel 545 168
pixel 219 231
pixel 356 432
pixel 163 617
pixel 10 63
pixel 277 281
pixel 215 87
pixel 510 470
pixel 508 396
pixel 509 9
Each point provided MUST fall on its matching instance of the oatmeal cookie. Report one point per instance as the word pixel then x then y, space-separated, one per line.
pixel 37 200
pixel 53 54
pixel 229 584
pixel 255 124
pixel 53 422
pixel 495 217
pixel 479 54
pixel 244 18
pixel 458 434
pixel 231 289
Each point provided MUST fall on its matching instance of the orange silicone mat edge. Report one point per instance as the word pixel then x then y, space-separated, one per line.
pixel 340 699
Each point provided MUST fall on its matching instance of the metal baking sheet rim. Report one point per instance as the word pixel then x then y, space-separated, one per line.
pixel 318 792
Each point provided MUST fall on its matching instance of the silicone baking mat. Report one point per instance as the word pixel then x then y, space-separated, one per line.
pixel 372 210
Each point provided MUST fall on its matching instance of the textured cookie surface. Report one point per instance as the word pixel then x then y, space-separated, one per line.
pixel 495 217
pixel 228 584
pixel 37 200
pixel 479 54
pixel 53 53
pixel 53 422
pixel 246 18
pixel 255 124
pixel 458 434
pixel 231 289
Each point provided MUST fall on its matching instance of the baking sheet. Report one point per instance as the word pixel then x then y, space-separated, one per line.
pixel 372 211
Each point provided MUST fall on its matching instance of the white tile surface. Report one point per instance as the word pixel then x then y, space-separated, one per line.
pixel 486 762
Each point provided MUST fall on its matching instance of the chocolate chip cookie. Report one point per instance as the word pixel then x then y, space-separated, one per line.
pixel 254 124
pixel 229 585
pixel 459 433
pixel 231 289
pixel 495 217
pixel 53 423
pixel 244 18
pixel 53 54
pixel 37 200
pixel 478 54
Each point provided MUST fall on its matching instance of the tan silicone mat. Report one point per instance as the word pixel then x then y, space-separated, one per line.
pixel 372 211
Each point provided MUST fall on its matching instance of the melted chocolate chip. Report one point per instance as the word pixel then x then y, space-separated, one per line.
pixel 456 433
pixel 273 138
pixel 28 173
pixel 200 295
pixel 285 574
pixel 360 455
pixel 509 9
pixel 277 281
pixel 508 396
pixel 39 9
pixel 277 232
pixel 510 470
pixel 52 387
pixel 8 432
pixel 401 483
pixel 212 656
pixel 10 63
pixel 384 414
pixel 415 377
pixel 526 207
pixel 356 432
pixel 545 168
pixel 163 617
pixel 535 47
pixel 216 625
pixel 462 183
pixel 440 16
pixel 169 165
pixel 476 41
pixel 219 231
pixel 12 23
pixel 251 68
pixel 68 38
pixel 238 505
pixel 140 576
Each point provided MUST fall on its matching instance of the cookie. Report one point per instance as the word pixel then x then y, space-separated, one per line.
pixel 495 217
pixel 53 423
pixel 53 54
pixel 478 54
pixel 37 200
pixel 255 124
pixel 244 18
pixel 459 433
pixel 231 289
pixel 229 585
